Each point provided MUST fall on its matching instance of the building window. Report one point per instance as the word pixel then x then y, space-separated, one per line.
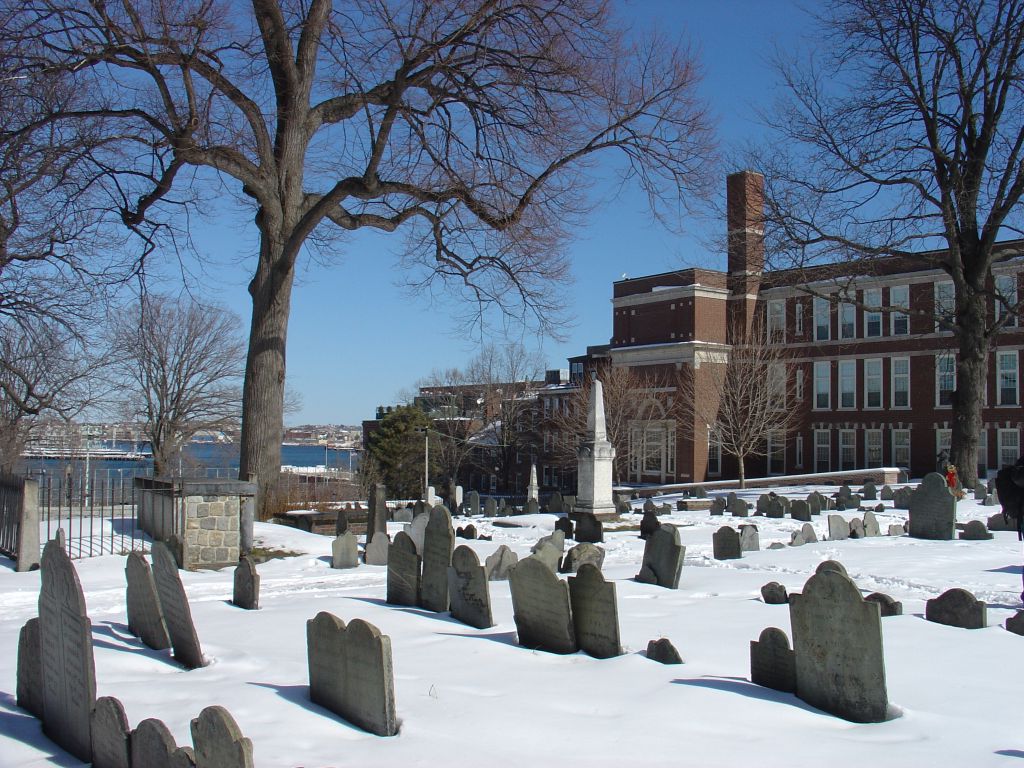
pixel 943 441
pixel 872 312
pixel 776 452
pixel 636 439
pixel 847 321
pixel 945 378
pixel 799 373
pixel 821 319
pixel 945 303
pixel 872 448
pixel 847 384
pixel 847 449
pixel 822 385
pixel 822 450
pixel 1006 364
pixel 873 383
pixel 799 324
pixel 901 447
pixel 546 476
pixel 798 446
pixel 777 320
pixel 714 454
pixel 900 382
pixel 899 322
pixel 652 450
pixel 777 385
pixel 1009 446
pixel 1006 287
pixel 576 372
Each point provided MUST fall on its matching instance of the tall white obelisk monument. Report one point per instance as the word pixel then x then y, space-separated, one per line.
pixel 594 460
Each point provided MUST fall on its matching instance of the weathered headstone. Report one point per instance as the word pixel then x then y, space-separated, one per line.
pixel 901 496
pixel 649 506
pixel 799 510
pixel 838 528
pixel 345 551
pixel 957 608
pixel 871 528
pixel 469 532
pixel 886 494
pixel 663 558
pixel 718 505
pixel 663 652
pixel 932 509
pixel 737 506
pixel 649 524
pixel 749 540
pixel 555 505
pixel 417 530
pixel 725 544
pixel 772 662
pixel 796 539
pixel 218 740
pixel 467 588
pixel 145 618
pixel 402 515
pixel 246 588
pixel 774 593
pixel 869 492
pixel 177 613
pixel 897 529
pixel 65 641
pixel 837 641
pixel 532 507
pixel 500 563
pixel 831 565
pixel 856 528
pixel 473 502
pixel 808 534
pixel 990 501
pixel 377 511
pixel 490 507
pixel 815 502
pixel 377 550
pixel 564 524
pixel 595 614
pixel 111 735
pixel 844 492
pixel 998 522
pixel 404 567
pixel 341 521
pixel 582 554
pixel 540 605
pixel 975 530
pixel 351 673
pixel 555 539
pixel 761 506
pixel 153 746
pixel 589 529
pixel 547 553
pixel 1014 624
pixel 29 690
pixel 886 604
pixel 699 492
pixel 775 509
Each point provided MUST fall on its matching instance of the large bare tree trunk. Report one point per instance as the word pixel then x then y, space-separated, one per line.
pixel 971 369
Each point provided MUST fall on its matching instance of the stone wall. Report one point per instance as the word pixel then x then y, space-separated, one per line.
pixel 211 531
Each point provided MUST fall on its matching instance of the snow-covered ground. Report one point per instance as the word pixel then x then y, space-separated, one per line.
pixel 469 697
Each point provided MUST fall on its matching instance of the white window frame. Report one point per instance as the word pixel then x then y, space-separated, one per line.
pixel 776 452
pixel 822 459
pixel 945 302
pixel 847 385
pixel 822 319
pixel 899 322
pixel 799 383
pixel 776 320
pixel 943 441
pixel 900 449
pixel 872 445
pixel 1006 286
pixel 895 378
pixel 714 455
pixel 847 321
pixel 1008 373
pixel 823 373
pixel 847 449
pixel 876 377
pixel 872 298
pixel 942 359
pixel 1008 446
pixel 777 384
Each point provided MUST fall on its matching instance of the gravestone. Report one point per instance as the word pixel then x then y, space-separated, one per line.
pixel 901 496
pixel 177 613
pixel 547 553
pixel 111 735
pixel 469 532
pixel 564 524
pixel 377 512
pixel 871 528
pixel 932 509
pixel 886 494
pixel 776 545
pixel 718 505
pixel 815 502
pixel 648 525
pixel 145 619
pixel 649 506
pixel 1000 523
pixel 29 690
pixel 853 502
pixel 725 543
pixel 957 608
pixel 473 499
pixel 838 528
pixel 341 521
pixel 540 605
pixel 980 491
pixel 246 588
pixel 869 492
pixel 837 642
pixel 595 614
pixel 377 550
pixel 403 515
pixel 749 540
pixel 589 529
pixel 886 604
pixel 153 746
pixel 761 507
pixel 663 652
pixel 500 563
pixel 555 539
pixel 775 509
pixel 345 551
pixel 404 567
pixel 831 565
pixel 490 507
pixel 555 504
pixel 417 530
pixel 351 673
pixel 844 492
pixel 622 506
pixel 796 539
pixel 582 554
pixel 1014 624
pixel 990 501
pixel 808 534
pixel 420 507
pixel 737 506
pixel 799 510
pixel 218 740
pixel 532 507
pixel 774 593
pixel 975 530
pixel 467 587
pixel 65 642
pixel 856 528
pixel 698 492
pixel 663 558
pixel 897 529
pixel 772 662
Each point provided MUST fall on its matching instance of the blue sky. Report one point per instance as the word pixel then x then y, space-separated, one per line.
pixel 356 339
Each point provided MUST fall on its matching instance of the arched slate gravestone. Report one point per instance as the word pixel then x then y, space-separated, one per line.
pixel 376 552
pixel 580 554
pixel 145 617
pixel 468 590
pixel 65 638
pixel 438 545
pixel 564 524
pixel 404 567
pixel 219 742
pixel 725 544
pixel 555 539
pixel 175 607
pixel 540 606
pixel 473 503
pixel 799 510
pixel 871 527
pixel 975 530
pixel 771 661
pixel 595 614
pixel 663 558
pixel 649 524
pixel 837 639
pixel 153 746
pixel 718 505
pixel 886 604
pixel 856 528
pixel 30 669
pixel 838 528
pixel 957 608
pixel 345 551
pixel 831 565
pixel 588 529
pixel 500 563
pixel 377 512
pixel 111 736
pixel 737 506
pixel 932 509
pixel 246 591
pixel 546 552
pixel 774 593
pixel 749 540
pixel 663 652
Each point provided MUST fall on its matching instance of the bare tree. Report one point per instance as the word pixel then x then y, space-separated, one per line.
pixel 468 124
pixel 906 132
pixel 745 400
pixel 454 405
pixel 179 364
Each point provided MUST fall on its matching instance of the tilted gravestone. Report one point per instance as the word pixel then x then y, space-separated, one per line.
pixel 111 735
pixel 404 567
pixel 377 550
pixel 65 641
pixel 1000 523
pixel 933 509
pixel 218 740
pixel 975 530
pixel 29 690
pixel 556 539
pixel 796 539
pixel 663 558
pixel 582 554
pixel 648 525
pixel 957 608
pixel 473 502
pixel 547 553
pixel 438 545
pixel 500 563
pixel 176 610
pixel 772 662
pixel 886 604
pixel 595 614
pixel 564 524
pixel 749 540
pixel 838 528
pixel 869 492
pixel 808 534
pixel 345 551
pixel 154 747
pixel 351 673
pixel 737 506
pixel 774 593
pixel 871 528
pixel 718 505
pixel 145 618
pixel 246 591
pixel 837 640
pixel 490 507
pixel 725 544
pixel 799 510
pixel 467 588
pixel 663 652
pixel 540 606
pixel 589 529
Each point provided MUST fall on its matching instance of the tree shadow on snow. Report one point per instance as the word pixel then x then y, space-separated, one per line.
pixel 19 725
pixel 746 688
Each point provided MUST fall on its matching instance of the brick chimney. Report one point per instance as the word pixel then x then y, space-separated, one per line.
pixel 745 219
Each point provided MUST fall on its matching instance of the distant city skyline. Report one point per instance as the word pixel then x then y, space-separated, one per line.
pixel 356 340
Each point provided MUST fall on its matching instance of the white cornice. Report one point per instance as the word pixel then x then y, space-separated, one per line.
pixel 674 353
pixel 670 294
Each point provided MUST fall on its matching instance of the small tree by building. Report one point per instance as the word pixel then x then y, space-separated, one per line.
pixel 396 450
